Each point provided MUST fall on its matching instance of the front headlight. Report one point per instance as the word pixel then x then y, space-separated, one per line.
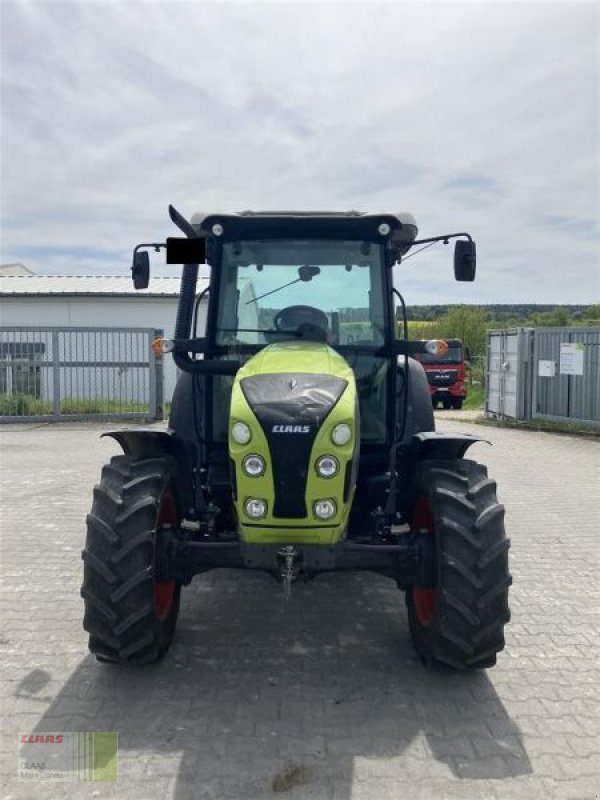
pixel 254 466
pixel 325 509
pixel 255 507
pixel 240 433
pixel 341 434
pixel 327 466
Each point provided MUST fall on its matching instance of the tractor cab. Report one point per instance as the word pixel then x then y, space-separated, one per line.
pixel 299 303
pixel 290 291
pixel 298 277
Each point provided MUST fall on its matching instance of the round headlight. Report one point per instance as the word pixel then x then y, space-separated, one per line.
pixel 241 433
pixel 325 509
pixel 217 229
pixel 341 434
pixel 327 466
pixel 253 465
pixel 255 508
pixel 384 229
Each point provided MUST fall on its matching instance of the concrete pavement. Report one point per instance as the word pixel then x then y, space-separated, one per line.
pixel 324 697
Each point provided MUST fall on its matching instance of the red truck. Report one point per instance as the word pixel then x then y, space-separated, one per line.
pixel 447 374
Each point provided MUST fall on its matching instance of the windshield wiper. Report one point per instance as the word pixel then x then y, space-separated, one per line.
pixel 266 294
pixel 305 274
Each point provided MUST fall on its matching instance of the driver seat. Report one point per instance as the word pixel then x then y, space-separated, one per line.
pixel 306 322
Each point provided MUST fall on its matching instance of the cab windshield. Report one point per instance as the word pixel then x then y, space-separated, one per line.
pixel 277 290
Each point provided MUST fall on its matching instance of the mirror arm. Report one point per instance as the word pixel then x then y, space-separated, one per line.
pixel 445 239
pixel 155 245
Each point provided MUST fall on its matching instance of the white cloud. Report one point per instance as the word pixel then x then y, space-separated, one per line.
pixel 473 116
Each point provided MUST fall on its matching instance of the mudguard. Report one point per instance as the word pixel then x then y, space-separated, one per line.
pixel 144 442
pixel 431 444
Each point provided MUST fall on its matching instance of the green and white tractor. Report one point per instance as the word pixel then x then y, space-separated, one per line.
pixel 301 440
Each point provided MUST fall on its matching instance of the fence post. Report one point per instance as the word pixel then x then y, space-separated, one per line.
pixel 569 382
pixel 532 372
pixel 55 374
pixel 502 373
pixel 156 380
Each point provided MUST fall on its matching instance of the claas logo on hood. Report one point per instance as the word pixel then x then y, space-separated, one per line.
pixel 290 429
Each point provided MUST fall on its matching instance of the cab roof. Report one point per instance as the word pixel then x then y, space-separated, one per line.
pixel 401 228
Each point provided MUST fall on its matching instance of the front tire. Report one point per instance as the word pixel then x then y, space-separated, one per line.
pixel 460 621
pixel 129 614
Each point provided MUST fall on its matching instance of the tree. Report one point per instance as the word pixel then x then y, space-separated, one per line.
pixel 592 313
pixel 467 323
pixel 558 318
pixel 421 329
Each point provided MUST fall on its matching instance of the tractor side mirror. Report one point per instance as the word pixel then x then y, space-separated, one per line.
pixel 140 269
pixel 468 355
pixel 464 260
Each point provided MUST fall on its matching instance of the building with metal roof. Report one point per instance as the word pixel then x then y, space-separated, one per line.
pixel 15 269
pixel 75 301
pixel 85 285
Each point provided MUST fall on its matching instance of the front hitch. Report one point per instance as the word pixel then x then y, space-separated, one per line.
pixel 289 562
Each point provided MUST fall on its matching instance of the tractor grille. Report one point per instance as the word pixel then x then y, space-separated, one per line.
pixel 290 409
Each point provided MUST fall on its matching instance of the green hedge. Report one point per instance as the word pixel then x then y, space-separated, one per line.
pixel 26 405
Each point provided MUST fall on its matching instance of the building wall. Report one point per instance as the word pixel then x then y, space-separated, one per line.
pixel 99 312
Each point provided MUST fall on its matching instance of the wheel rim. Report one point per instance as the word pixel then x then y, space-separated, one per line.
pixel 164 591
pixel 425 599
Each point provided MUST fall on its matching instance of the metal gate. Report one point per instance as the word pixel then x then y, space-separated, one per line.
pixel 508 373
pixel 550 373
pixel 79 373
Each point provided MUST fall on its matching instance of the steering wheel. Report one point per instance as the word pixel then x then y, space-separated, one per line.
pixel 310 322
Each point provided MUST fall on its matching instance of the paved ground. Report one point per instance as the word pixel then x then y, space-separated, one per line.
pixel 323 698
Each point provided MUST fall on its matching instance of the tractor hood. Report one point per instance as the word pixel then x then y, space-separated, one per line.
pixel 290 397
pixel 309 357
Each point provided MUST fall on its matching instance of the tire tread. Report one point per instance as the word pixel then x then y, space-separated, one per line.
pixel 118 581
pixel 473 579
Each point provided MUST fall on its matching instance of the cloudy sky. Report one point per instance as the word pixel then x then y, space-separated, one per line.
pixel 473 116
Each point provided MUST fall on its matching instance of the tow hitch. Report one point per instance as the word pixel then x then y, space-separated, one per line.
pixel 289 562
